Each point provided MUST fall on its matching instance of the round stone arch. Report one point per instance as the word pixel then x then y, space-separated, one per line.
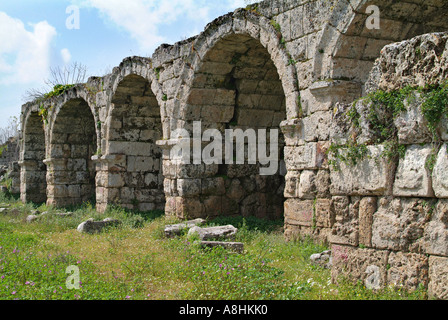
pixel 72 142
pixel 350 42
pixel 254 27
pixel 130 169
pixel 33 184
pixel 240 78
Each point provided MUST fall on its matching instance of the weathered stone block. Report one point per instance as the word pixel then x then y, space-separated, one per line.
pixel 91 226
pixel 189 187
pixel 213 233
pixel 311 156
pixel 372 175
pixel 411 124
pixel 323 215
pixel 307 185
pixel 176 229
pixel 407 270
pixel 440 174
pixel 366 265
pixel 298 212
pixel 436 231
pixel 346 220
pixel 317 126
pixel 399 224
pixel 438 278
pixel 413 178
pixel 367 207
pixel 292 180
pixel 213 186
pixel 323 183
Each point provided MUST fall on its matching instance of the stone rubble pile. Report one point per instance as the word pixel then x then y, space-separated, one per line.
pixel 208 237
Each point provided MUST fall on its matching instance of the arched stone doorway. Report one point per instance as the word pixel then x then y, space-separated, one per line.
pixel 73 142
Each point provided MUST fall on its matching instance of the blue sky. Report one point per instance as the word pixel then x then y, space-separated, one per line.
pixel 34 37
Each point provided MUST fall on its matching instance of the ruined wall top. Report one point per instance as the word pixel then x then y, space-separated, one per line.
pixel 417 62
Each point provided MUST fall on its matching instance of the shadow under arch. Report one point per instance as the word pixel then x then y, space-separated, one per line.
pixel 72 143
pixel 236 85
pixel 131 168
pixel 33 171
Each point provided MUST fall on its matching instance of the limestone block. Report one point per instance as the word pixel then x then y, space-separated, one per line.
pixel 292 180
pixel 217 113
pixel 152 180
pixel 354 264
pixel 213 206
pixel 140 164
pixel 323 214
pixel 115 180
pixel 367 207
pixel 436 232
pixel 407 270
pixel 213 233
pixel 189 187
pixel 372 175
pixel 438 278
pixel 307 185
pixel 317 126
pixel 293 132
pixel 413 178
pixel 440 174
pixel 411 124
pixel 345 212
pixel 399 224
pixel 213 186
pixel 308 157
pixel 323 183
pixel 91 226
pixel 176 229
pixel 299 212
pixel 235 191
pixel 322 259
pixel 190 208
pixel 130 148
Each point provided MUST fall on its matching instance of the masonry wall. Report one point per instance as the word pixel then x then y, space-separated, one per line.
pixel 288 65
pixel 389 215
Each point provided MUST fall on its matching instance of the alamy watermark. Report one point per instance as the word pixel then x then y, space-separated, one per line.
pixel 73 280
pixel 374 19
pixel 73 21
pixel 235 147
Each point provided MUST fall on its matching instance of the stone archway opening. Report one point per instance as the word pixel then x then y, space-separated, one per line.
pixel 73 142
pixel 237 87
pixel 33 170
pixel 134 179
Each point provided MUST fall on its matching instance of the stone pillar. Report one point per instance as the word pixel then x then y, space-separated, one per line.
pixel 33 186
pixel 109 180
pixel 68 182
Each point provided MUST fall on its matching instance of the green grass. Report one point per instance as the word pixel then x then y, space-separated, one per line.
pixel 135 261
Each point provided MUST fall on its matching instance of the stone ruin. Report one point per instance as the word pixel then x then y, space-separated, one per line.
pixel 9 168
pixel 291 65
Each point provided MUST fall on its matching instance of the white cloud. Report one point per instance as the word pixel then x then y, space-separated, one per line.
pixel 24 55
pixel 145 20
pixel 66 55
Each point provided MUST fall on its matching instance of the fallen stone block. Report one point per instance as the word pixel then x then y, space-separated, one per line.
pixel 32 218
pixel 232 246
pixel 3 211
pixel 322 259
pixel 413 178
pixel 213 233
pixel 91 226
pixel 176 229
